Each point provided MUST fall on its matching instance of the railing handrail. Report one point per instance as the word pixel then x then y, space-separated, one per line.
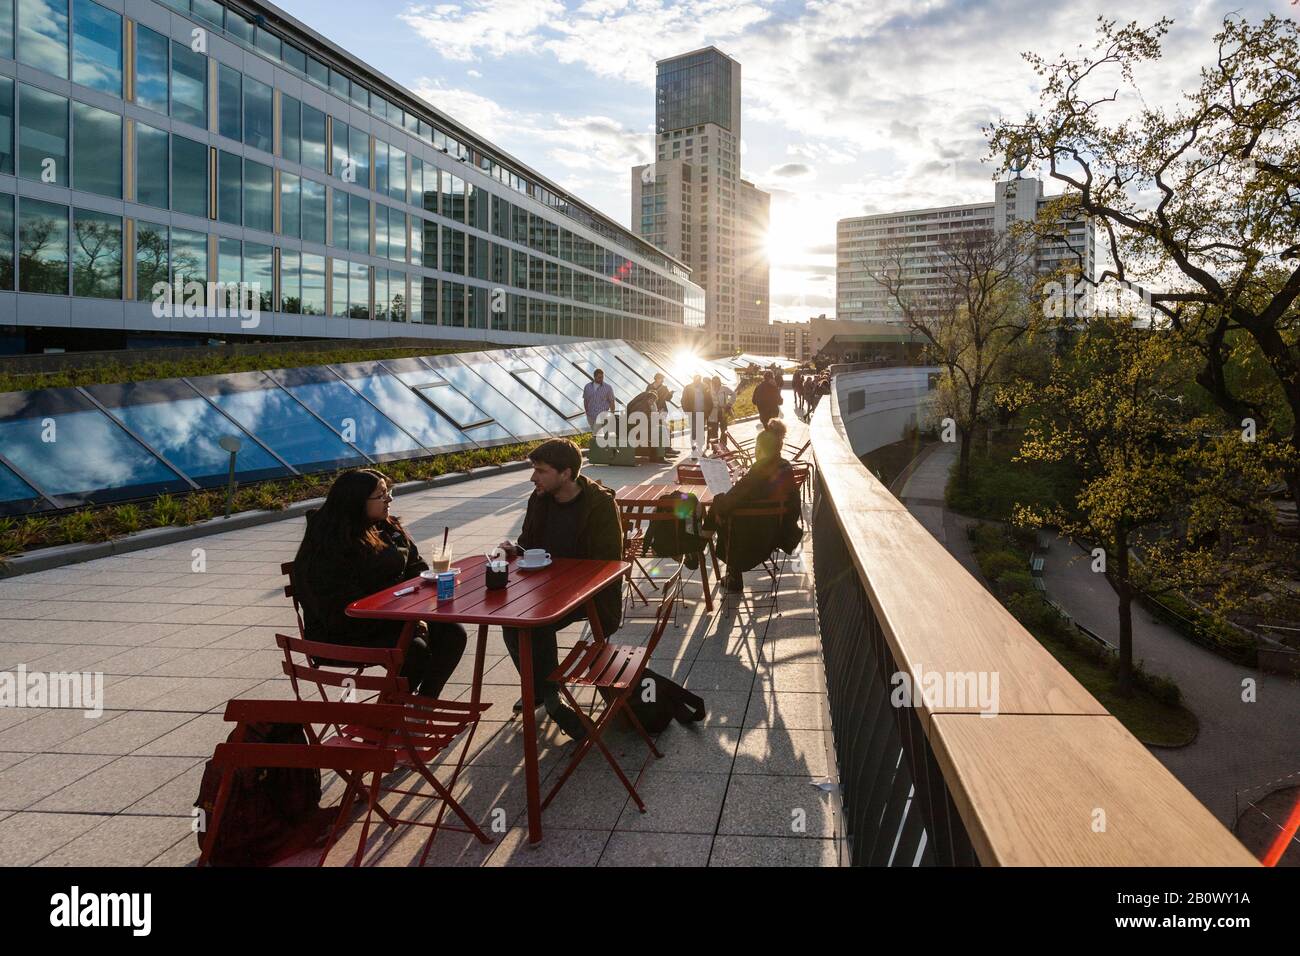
pixel 1053 778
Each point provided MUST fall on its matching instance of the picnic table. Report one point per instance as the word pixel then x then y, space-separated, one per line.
pixel 531 599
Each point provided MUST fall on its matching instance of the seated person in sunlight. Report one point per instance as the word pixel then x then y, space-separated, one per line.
pixel 353 548
pixel 746 541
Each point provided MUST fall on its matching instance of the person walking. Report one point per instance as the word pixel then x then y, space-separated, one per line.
pixel 723 400
pixel 797 388
pixel 767 399
pixel 597 398
pixel 697 403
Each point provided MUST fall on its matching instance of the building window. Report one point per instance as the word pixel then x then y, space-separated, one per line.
pixel 258 115
pixel 290 205
pixel 313 284
pixel 259 274
pixel 230 188
pixel 151 85
pixel 359 224
pixel 315 155
pixel 96 47
pixel 43 136
pixel 97 160
pixel 229 99
pixel 189 259
pixel 313 211
pixel 189 80
pixel 6 125
pixel 151 258
pixel 189 177
pixel 340 148
pixel 43 35
pixel 96 255
pixel 6 241
pixel 358 290
pixel 43 247
pixel 259 209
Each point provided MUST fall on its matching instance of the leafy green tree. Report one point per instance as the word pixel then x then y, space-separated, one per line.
pixel 1197 207
pixel 1156 477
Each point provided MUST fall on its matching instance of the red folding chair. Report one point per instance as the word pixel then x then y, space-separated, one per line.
pixel 291 592
pixel 637 521
pixel 432 725
pixel 614 670
pixel 773 565
pixel 386 723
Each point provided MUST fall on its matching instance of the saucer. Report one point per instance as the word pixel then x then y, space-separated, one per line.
pixel 523 565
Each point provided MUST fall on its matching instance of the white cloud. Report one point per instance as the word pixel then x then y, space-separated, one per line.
pixel 884 99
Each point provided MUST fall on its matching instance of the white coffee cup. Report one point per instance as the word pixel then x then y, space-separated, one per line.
pixel 536 556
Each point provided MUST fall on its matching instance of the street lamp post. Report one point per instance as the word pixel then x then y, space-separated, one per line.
pixel 231 444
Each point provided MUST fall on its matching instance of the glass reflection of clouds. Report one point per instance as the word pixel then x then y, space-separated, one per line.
pixel 14 492
pixel 489 387
pixel 556 370
pixel 274 417
pixel 186 432
pixel 400 404
pixel 337 404
pixel 558 400
pixel 90 457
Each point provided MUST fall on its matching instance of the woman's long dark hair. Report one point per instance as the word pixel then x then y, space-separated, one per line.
pixel 340 526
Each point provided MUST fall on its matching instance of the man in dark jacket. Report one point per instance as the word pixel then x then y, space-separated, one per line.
pixel 767 398
pixel 697 402
pixel 745 542
pixel 571 516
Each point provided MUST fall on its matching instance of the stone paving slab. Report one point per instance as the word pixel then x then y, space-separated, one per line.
pixel 174 645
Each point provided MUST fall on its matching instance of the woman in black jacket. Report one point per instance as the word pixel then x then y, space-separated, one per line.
pixel 353 548
pixel 745 542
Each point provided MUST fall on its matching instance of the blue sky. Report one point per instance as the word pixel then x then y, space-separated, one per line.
pixel 849 106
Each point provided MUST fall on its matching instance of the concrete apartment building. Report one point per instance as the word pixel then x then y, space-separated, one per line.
pixel 692 203
pixel 862 245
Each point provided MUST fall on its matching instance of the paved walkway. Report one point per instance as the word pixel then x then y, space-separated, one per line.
pixel 1241 746
pixel 174 645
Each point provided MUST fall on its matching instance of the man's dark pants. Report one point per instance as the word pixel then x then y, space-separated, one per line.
pixel 546 656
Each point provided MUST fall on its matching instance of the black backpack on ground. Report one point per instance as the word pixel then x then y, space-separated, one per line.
pixel 658 701
pixel 272 812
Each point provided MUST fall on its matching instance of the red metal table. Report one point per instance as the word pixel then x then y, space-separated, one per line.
pixel 531 599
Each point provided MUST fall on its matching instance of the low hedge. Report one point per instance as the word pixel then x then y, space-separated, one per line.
pixel 148 370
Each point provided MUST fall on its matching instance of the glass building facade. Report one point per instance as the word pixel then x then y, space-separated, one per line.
pixel 150 142
pixel 694 89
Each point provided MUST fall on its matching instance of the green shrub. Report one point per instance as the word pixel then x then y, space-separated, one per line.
pixel 166 511
pixel 994 564
pixel 126 519
pixel 1015 582
pixel 78 526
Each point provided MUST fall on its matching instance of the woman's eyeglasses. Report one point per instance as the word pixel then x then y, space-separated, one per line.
pixel 386 496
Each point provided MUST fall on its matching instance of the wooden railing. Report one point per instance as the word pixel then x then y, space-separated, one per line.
pixel 1051 778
